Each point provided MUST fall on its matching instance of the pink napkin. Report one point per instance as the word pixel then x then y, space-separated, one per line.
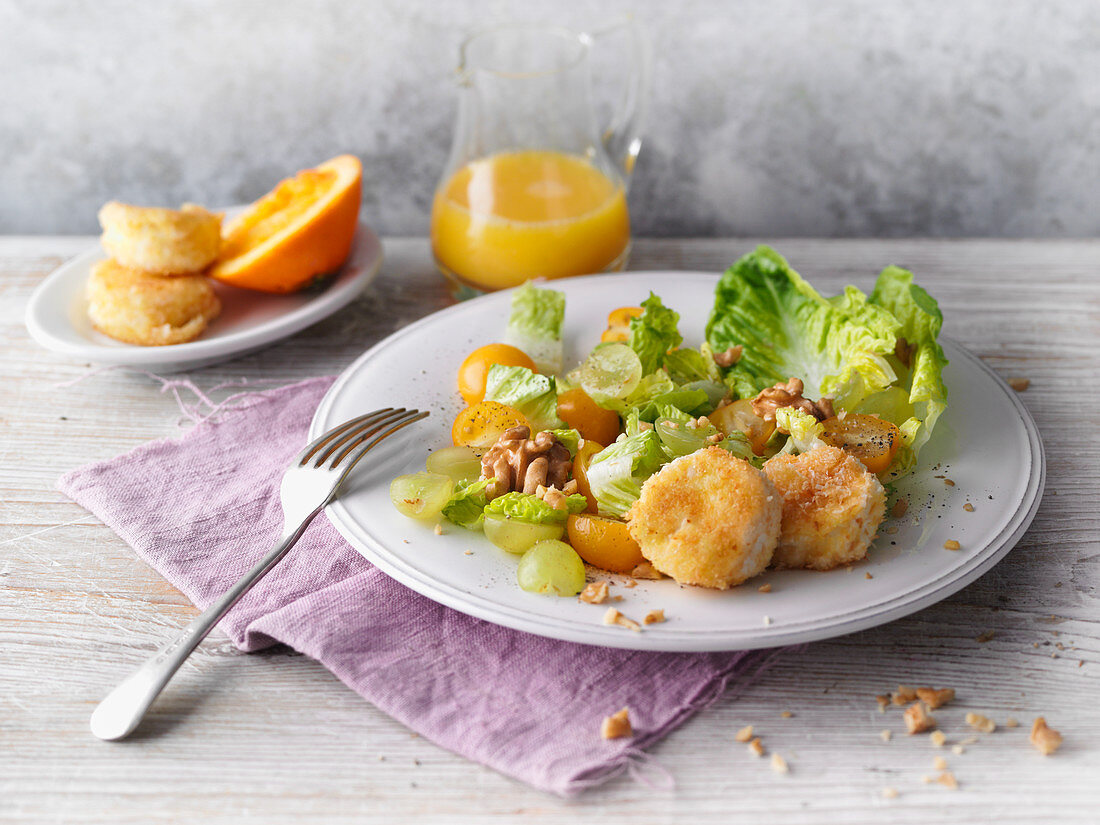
pixel 203 508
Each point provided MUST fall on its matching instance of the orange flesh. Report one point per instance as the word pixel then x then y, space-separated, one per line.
pixel 603 542
pixel 577 409
pixel 872 440
pixel 740 416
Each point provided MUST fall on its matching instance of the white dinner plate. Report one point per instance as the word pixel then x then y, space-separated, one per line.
pixel 986 443
pixel 57 314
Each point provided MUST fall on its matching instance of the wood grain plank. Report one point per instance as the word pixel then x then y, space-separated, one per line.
pixel 273 737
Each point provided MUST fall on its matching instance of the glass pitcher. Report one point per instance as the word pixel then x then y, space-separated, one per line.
pixel 532 189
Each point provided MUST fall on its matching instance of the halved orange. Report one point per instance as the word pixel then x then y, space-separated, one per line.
pixel 300 230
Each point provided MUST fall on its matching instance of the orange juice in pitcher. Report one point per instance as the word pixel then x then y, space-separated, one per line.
pixel 531 190
pixel 532 214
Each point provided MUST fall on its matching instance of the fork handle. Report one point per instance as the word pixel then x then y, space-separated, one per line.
pixel 123 708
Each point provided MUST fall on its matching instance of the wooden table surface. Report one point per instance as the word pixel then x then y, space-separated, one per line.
pixel 274 738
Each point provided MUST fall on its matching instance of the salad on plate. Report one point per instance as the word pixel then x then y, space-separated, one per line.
pixel 769 445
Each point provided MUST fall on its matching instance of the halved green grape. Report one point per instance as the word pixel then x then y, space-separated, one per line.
pixel 678 438
pixel 518 536
pixel 609 371
pixel 552 568
pixel 421 495
pixel 459 463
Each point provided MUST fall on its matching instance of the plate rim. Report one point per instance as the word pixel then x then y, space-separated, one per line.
pixel 366 243
pixel 862 618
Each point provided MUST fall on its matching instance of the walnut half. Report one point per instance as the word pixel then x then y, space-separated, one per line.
pixel 522 464
pixel 790 395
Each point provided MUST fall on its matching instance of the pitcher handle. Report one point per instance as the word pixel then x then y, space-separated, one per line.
pixel 623 137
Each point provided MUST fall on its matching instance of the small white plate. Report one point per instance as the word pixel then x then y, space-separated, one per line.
pixel 985 442
pixel 57 315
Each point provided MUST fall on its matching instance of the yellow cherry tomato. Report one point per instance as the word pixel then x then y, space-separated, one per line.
pixel 577 409
pixel 482 424
pixel 740 416
pixel 475 369
pixel 580 471
pixel 618 324
pixel 871 439
pixel 603 542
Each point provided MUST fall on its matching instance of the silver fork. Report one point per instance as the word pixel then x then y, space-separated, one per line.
pixel 308 486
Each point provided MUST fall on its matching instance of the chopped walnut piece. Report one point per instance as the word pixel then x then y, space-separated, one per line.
pixel 1044 738
pixel 948 780
pixel 1011 722
pixel 903 695
pixel 937 738
pixel 553 496
pixel 594 593
pixel 730 356
pixel 613 616
pixel 900 508
pixel 520 463
pixel 1019 384
pixel 789 394
pixel 939 763
pixel 883 700
pixel 654 617
pixel 935 698
pixel 917 719
pixel 885 734
pixel 617 725
pixel 981 723
pixel 645 570
pixel 764 588
pixel 629 583
pixel 951 544
pixel 786 714
pixel 756 747
pixel 779 764
pixel 743 735
pixel 868 575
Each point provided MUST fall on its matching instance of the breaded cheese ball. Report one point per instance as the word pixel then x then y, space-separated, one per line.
pixel 162 241
pixel 832 507
pixel 707 518
pixel 138 308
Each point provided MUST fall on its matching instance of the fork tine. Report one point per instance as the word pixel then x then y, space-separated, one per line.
pixel 325 438
pixel 357 449
pixel 356 434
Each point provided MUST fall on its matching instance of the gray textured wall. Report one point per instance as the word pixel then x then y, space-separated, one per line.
pixel 779 117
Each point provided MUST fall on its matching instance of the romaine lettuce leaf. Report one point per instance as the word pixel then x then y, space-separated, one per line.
pixel 531 508
pixel 617 472
pixel 654 333
pixel 656 389
pixel 920 396
pixel 535 325
pixel 838 348
pixel 805 430
pixel 467 503
pixel 685 365
pixel 570 439
pixel 531 393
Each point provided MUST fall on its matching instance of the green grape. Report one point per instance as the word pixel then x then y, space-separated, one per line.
pixel 517 536
pixel 421 495
pixel 610 371
pixel 679 439
pixel 459 463
pixel 553 568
